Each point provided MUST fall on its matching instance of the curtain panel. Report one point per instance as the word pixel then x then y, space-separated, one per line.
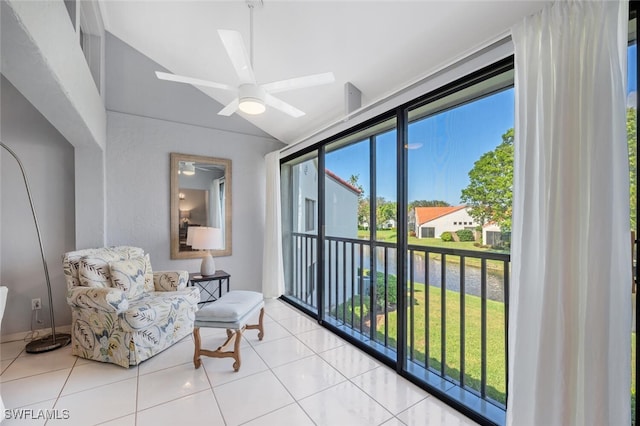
pixel 570 310
pixel 272 261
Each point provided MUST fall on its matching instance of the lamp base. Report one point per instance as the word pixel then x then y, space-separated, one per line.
pixel 47 343
pixel 208 266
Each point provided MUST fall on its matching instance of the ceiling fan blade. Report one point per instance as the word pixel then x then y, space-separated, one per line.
pixel 299 82
pixel 230 108
pixel 282 106
pixel 234 46
pixel 194 81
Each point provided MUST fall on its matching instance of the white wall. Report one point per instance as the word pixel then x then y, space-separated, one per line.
pixel 305 186
pixel 341 210
pixel 446 223
pixel 48 160
pixel 42 58
pixel 138 190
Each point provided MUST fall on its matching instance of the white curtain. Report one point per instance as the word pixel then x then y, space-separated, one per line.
pixel 569 324
pixel 215 206
pixel 272 262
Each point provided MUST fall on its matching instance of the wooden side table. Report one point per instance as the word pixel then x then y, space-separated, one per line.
pixel 209 284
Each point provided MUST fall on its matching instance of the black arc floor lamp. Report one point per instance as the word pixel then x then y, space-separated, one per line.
pixel 54 340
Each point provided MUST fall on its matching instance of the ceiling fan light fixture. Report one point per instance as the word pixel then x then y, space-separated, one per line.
pixel 189 169
pixel 251 106
pixel 251 99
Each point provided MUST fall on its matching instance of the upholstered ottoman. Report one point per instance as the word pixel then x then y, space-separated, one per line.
pixel 231 312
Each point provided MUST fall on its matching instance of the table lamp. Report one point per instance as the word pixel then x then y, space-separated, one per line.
pixel 206 238
pixel 185 215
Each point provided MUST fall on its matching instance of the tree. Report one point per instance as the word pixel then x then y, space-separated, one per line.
pixel 489 193
pixel 353 181
pixel 631 143
pixel 363 203
pixel 424 203
pixel 490 190
pixel 385 210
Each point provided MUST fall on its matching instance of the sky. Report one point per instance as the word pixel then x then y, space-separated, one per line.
pixel 444 147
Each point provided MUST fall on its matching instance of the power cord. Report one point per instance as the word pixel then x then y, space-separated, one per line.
pixel 33 334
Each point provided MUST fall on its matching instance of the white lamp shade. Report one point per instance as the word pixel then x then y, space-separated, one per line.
pixel 190 233
pixel 205 238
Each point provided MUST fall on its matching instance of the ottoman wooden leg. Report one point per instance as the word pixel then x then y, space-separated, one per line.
pixel 221 352
pixel 196 353
pixel 236 350
pixel 258 326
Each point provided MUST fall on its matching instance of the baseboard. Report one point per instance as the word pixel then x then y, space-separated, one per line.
pixel 40 333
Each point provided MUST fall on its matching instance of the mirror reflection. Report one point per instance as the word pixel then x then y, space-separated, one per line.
pixel 200 196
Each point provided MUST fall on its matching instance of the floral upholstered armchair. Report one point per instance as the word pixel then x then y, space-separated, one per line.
pixel 122 311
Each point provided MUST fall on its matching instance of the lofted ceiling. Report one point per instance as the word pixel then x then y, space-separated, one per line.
pixel 379 46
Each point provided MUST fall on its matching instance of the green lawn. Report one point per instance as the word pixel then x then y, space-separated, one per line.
pixel 496 386
pixel 496 365
pixel 390 236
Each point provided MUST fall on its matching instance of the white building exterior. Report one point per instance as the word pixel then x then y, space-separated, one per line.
pixel 341 198
pixel 341 220
pixel 431 222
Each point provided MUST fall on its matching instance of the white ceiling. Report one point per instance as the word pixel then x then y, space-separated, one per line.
pixel 379 46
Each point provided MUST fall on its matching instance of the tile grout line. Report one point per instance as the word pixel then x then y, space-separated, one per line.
pixel 55 403
pixel 211 387
pixel 206 373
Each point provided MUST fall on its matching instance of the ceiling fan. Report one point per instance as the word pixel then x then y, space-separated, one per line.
pixel 251 97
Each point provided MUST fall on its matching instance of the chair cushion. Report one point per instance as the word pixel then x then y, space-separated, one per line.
pixel 148 275
pixel 159 307
pixel 230 307
pixel 93 271
pixel 129 276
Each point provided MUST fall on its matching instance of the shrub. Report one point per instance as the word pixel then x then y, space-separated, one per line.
pixel 446 237
pixel 465 235
pixel 392 294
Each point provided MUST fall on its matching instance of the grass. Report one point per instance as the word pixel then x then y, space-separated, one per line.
pixel 426 334
pixel 390 236
pixel 496 366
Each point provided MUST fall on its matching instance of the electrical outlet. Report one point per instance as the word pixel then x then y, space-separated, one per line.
pixel 36 304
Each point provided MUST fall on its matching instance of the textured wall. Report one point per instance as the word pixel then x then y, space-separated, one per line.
pixel 138 190
pixel 49 162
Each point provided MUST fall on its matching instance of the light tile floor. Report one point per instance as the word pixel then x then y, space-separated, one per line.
pixel 300 374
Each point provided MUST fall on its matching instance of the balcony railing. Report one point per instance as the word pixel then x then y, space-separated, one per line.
pixel 456 317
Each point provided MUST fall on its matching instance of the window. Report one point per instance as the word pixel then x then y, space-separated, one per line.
pixel 310 214
pixel 299 207
pixel 360 269
pixel 428 232
pixel 442 134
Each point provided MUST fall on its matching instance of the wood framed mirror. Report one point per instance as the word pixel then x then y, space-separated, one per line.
pixel 200 196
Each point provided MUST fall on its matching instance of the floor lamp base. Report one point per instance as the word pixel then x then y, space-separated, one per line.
pixel 47 343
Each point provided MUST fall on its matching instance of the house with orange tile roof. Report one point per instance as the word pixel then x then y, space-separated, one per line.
pixel 431 222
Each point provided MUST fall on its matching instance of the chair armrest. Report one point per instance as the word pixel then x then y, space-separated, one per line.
pixel 103 299
pixel 170 280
